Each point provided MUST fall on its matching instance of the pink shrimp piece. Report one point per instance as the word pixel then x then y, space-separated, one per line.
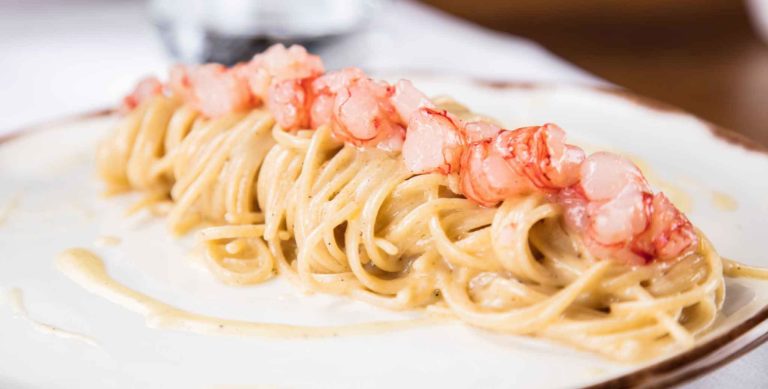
pixel 616 191
pixel 608 207
pixel 288 101
pixel 291 63
pixel 618 215
pixel 257 79
pixel 433 142
pixel 485 176
pixel 670 233
pixel 179 82
pixel 278 64
pixel 517 162
pixel 358 109
pixel 362 113
pixel 324 90
pixel 333 82
pixel 145 89
pixel 394 141
pixel 480 131
pixel 407 100
pixel 218 91
pixel 321 110
pixel 281 78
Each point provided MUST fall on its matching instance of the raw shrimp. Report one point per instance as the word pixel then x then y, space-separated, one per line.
pixel 360 111
pixel 618 216
pixel 291 63
pixel 217 90
pixel 321 110
pixel 669 235
pixel 517 162
pixel 407 100
pixel 479 131
pixel 256 78
pixel 363 114
pixel 324 90
pixel 144 90
pixel 288 101
pixel 179 82
pixel 433 142
pixel 278 64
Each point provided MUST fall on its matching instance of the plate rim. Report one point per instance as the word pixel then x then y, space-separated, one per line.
pixel 675 370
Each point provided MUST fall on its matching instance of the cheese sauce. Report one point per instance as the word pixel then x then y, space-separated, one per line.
pixel 88 270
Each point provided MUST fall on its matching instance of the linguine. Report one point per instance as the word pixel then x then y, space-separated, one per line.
pixel 354 221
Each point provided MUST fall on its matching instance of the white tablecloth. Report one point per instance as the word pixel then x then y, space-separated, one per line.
pixel 59 58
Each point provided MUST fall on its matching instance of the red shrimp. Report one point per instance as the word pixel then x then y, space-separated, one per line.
pixel 179 82
pixel 256 78
pixel 517 162
pixel 145 89
pixel 217 91
pixel 669 235
pixel 288 101
pixel 324 90
pixel 433 142
pixel 281 78
pixel 451 135
pixel 363 115
pixel 407 100
pixel 278 64
pixel 480 131
pixel 321 110
pixel 619 217
pixel 291 63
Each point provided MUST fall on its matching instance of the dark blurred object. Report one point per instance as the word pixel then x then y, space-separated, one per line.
pixel 229 31
pixel 229 49
pixel 701 55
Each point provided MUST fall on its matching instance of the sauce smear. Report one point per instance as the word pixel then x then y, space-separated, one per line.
pixel 87 270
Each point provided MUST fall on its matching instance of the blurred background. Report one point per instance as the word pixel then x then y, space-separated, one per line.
pixel 705 56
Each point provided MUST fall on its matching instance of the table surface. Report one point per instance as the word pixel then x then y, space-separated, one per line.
pixel 59 59
pixel 702 56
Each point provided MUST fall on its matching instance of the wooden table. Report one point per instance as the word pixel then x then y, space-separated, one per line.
pixel 702 56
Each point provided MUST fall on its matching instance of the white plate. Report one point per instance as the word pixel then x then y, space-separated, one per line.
pixel 47 177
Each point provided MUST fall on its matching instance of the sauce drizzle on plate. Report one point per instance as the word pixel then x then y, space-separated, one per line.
pixel 87 270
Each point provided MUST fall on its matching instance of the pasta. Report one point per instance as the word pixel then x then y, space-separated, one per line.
pixel 334 218
pixel 351 186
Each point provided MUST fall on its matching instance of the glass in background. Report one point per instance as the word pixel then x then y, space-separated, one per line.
pixel 229 31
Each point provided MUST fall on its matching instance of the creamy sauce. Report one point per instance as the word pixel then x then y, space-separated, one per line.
pixel 107 240
pixel 87 269
pixel 724 202
pixel 15 298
